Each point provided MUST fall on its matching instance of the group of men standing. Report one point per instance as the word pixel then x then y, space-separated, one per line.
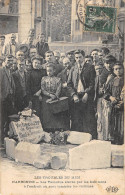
pixel 84 80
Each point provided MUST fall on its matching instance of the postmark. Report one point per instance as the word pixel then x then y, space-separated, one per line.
pixel 97 18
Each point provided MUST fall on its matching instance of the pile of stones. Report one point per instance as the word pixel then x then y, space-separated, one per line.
pixel 79 153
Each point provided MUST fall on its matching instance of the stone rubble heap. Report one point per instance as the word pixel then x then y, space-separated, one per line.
pixel 80 152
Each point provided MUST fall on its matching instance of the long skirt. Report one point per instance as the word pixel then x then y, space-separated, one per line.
pixel 54 121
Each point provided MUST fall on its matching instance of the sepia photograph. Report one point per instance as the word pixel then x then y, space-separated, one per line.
pixel 62 97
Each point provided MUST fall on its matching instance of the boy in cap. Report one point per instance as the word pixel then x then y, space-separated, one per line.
pixel 113 95
pixel 107 72
pixel 70 55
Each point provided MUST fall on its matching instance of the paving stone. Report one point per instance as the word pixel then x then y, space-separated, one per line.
pixel 26 152
pixel 51 148
pixel 117 155
pixel 42 162
pixel 10 145
pixel 75 137
pixel 59 161
pixel 91 155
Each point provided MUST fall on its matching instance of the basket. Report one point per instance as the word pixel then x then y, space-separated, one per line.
pixel 60 105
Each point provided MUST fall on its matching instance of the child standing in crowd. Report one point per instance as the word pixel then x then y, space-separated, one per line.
pixel 107 72
pixel 113 94
pixel 51 90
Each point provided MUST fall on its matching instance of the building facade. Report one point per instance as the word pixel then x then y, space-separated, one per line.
pixel 8 16
pixel 32 14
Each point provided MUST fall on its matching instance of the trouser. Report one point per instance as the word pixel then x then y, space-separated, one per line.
pixel 7 109
pixel 83 118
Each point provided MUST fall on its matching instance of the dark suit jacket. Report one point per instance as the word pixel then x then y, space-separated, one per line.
pixel 42 48
pixel 7 84
pixel 34 82
pixel 103 77
pixel 63 75
pixel 19 99
pixel 87 78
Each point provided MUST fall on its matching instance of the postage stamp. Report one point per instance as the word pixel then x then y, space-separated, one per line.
pixel 97 18
pixel 100 19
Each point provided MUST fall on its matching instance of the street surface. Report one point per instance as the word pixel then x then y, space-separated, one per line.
pixel 21 179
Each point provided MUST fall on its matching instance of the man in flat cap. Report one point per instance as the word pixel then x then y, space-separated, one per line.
pixel 81 88
pixel 70 55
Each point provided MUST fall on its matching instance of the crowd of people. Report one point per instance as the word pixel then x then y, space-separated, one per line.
pixel 33 76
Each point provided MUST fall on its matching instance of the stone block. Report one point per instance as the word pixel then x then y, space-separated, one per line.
pixel 10 145
pixel 26 152
pixel 78 138
pixel 92 155
pixel 43 162
pixel 28 130
pixel 58 161
pixel 117 155
pixel 47 137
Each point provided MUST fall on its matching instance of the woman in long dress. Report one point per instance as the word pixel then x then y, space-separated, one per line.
pixel 51 90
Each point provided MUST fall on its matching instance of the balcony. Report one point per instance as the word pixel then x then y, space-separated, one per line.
pixel 10 10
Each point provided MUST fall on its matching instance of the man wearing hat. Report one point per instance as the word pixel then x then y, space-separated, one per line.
pixel 81 87
pixel 2 45
pixel 107 72
pixel 7 93
pixel 70 55
pixel 12 46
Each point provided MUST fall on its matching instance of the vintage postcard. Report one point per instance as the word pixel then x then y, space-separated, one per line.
pixel 62 97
